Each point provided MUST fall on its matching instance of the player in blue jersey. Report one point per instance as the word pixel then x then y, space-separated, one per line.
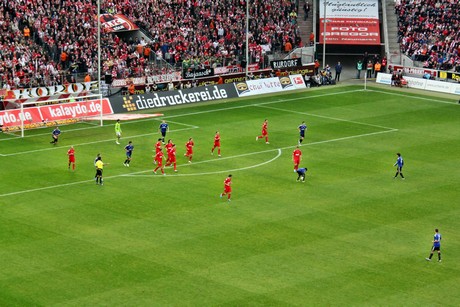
pixel 129 151
pixel 55 135
pixel 164 127
pixel 399 165
pixel 301 172
pixel 436 245
pixel 302 129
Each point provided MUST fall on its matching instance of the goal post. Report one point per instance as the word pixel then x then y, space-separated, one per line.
pixel 61 111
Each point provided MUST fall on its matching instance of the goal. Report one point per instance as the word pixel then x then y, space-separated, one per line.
pixel 62 111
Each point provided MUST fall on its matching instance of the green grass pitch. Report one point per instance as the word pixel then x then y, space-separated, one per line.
pixel 351 235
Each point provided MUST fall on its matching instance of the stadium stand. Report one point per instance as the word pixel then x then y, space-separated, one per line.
pixel 54 42
pixel 429 31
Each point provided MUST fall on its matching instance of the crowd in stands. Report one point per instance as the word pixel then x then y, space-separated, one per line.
pixel 52 42
pixel 429 31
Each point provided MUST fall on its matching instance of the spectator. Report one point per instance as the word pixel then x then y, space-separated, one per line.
pixel 429 30
pixel 206 34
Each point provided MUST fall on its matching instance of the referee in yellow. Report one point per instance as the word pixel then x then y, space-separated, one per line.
pixel 99 168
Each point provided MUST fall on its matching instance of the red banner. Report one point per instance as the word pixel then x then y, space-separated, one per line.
pixel 53 114
pixel 350 22
pixel 117 23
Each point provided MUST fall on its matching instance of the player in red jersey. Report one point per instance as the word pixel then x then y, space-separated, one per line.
pixel 227 187
pixel 172 157
pixel 158 148
pixel 264 132
pixel 167 148
pixel 159 162
pixel 296 157
pixel 189 147
pixel 71 154
pixel 216 143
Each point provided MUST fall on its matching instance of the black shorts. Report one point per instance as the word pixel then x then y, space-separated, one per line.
pixel 99 172
pixel 436 248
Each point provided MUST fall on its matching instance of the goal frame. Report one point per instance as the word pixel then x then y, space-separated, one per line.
pixel 96 97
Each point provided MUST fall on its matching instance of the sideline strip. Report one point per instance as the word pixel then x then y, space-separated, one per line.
pixel 231 157
pixel 415 97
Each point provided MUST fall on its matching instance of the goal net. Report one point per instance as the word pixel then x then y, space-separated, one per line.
pixel 40 114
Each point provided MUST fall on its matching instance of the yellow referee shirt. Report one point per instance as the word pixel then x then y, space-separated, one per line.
pixel 99 164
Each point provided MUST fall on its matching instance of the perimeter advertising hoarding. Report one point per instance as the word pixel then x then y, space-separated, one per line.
pixel 423 84
pixel 130 103
pixel 269 85
pixel 350 22
pixel 47 115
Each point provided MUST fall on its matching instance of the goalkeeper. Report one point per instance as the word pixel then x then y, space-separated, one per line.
pixel 118 131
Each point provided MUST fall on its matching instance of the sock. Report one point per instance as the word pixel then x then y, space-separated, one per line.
pixel 439 256
pixel 73 166
pixel 396 175
pixel 401 175
pixel 431 255
pixel 301 140
pixel 218 151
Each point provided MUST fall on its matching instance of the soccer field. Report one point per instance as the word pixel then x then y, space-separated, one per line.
pixel 351 235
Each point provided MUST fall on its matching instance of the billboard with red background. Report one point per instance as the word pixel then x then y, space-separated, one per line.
pixel 350 22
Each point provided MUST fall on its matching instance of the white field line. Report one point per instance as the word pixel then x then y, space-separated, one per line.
pixel 90 143
pixel 245 106
pixel 92 126
pixel 206 161
pixel 327 117
pixel 181 115
pixel 414 97
pixel 150 170
pixel 263 103
pixel 211 173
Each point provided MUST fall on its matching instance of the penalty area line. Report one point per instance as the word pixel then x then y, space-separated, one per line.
pixel 91 143
pixel 141 172
pixel 231 157
pixel 211 173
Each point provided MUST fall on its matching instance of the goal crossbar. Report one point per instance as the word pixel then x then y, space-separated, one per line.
pixel 60 110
